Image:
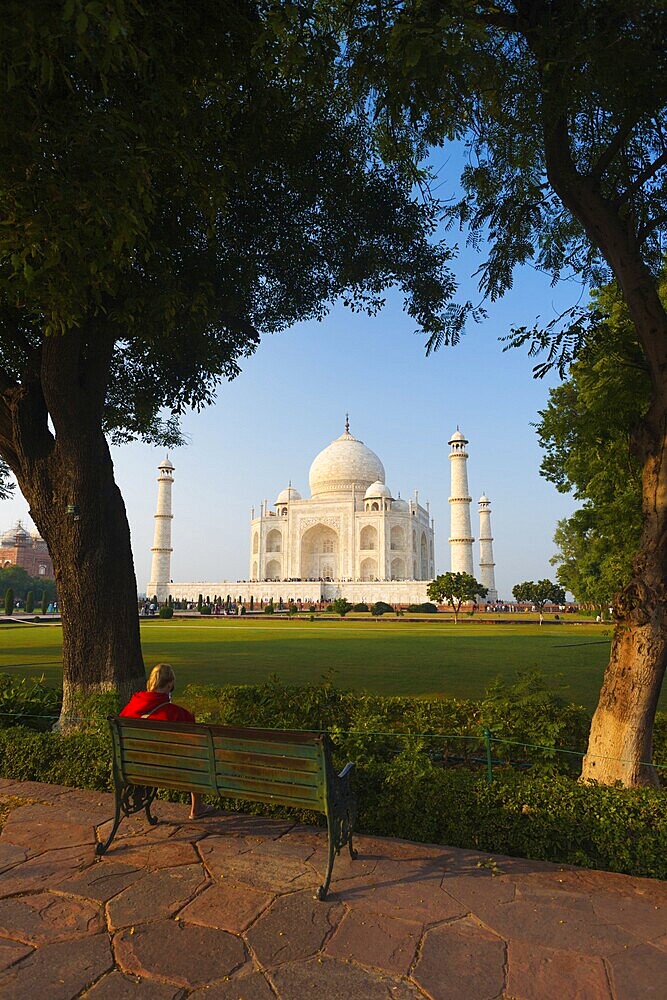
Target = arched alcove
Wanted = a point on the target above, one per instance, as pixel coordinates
(397, 538)
(398, 569)
(368, 570)
(424, 556)
(274, 541)
(273, 570)
(319, 553)
(368, 537)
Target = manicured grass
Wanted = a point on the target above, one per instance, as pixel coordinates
(386, 657)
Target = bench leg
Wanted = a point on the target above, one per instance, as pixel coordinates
(130, 799)
(321, 893)
(101, 849)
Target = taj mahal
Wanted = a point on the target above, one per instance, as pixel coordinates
(350, 538)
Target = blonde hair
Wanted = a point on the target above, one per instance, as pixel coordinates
(161, 676)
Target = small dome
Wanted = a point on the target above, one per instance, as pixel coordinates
(484, 498)
(289, 493)
(166, 464)
(377, 489)
(457, 436)
(15, 535)
(400, 505)
(344, 465)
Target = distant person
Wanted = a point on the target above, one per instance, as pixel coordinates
(155, 703)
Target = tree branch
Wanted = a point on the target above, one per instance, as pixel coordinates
(613, 148)
(640, 179)
(655, 223)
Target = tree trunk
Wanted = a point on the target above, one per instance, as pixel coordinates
(621, 738)
(92, 557)
(66, 475)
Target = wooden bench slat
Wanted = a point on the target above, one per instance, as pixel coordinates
(165, 747)
(295, 736)
(168, 777)
(306, 764)
(164, 759)
(278, 791)
(298, 750)
(154, 735)
(306, 779)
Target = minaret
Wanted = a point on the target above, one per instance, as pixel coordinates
(460, 542)
(160, 567)
(487, 576)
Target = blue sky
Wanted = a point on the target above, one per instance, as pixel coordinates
(290, 402)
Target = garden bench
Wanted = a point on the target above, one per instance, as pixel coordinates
(278, 767)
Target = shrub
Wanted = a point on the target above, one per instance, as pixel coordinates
(205, 609)
(45, 602)
(340, 606)
(167, 611)
(269, 609)
(360, 607)
(28, 702)
(30, 602)
(381, 608)
(423, 609)
(9, 601)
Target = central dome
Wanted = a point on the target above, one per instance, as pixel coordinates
(344, 464)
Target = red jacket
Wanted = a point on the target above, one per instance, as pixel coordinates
(144, 702)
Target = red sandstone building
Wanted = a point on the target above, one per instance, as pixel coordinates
(19, 548)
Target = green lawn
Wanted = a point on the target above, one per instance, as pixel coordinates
(388, 657)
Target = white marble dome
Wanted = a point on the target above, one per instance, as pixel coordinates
(457, 436)
(344, 464)
(289, 493)
(377, 489)
(400, 504)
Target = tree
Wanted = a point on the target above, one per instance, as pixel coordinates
(45, 602)
(561, 108)
(540, 593)
(454, 589)
(21, 582)
(30, 601)
(585, 432)
(9, 601)
(175, 183)
(6, 485)
(340, 606)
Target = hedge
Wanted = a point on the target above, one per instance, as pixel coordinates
(541, 816)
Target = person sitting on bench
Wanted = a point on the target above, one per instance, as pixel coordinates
(155, 703)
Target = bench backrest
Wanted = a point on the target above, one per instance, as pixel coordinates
(259, 765)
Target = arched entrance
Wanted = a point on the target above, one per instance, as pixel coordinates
(319, 553)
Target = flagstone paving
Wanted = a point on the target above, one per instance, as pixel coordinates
(223, 908)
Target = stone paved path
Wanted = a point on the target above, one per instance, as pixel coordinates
(223, 909)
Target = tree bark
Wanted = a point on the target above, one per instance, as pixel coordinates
(65, 473)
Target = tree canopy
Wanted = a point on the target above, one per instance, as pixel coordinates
(455, 589)
(166, 180)
(540, 593)
(586, 432)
